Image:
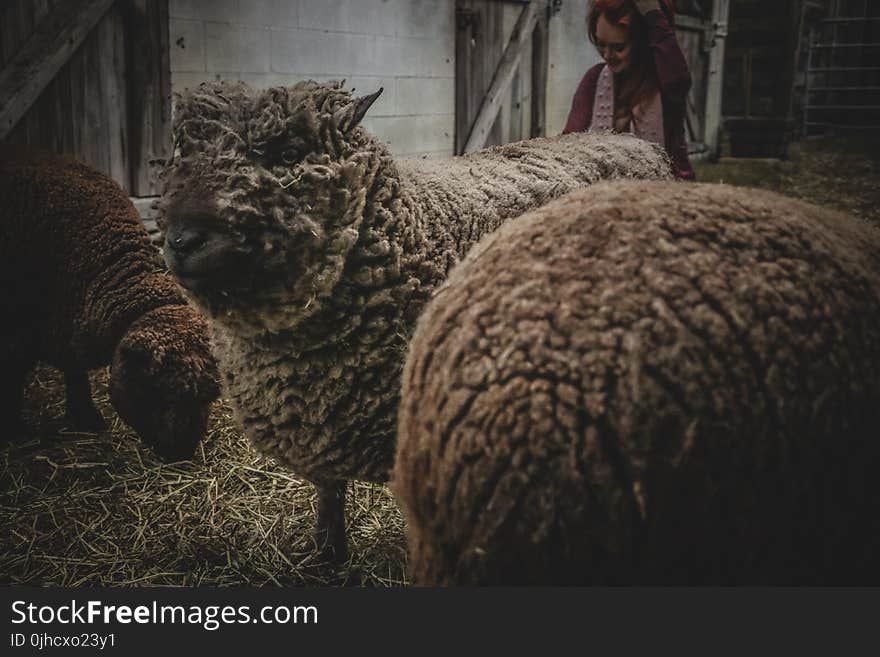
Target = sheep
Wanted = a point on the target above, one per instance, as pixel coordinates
(82, 287)
(313, 251)
(649, 383)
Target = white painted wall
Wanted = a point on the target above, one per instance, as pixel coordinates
(405, 46)
(571, 55)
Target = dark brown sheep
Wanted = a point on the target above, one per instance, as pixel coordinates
(649, 383)
(81, 286)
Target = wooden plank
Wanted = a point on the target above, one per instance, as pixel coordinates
(41, 9)
(16, 26)
(524, 99)
(35, 123)
(693, 44)
(786, 89)
(92, 152)
(511, 120)
(540, 74)
(63, 104)
(76, 75)
(683, 22)
(44, 112)
(10, 38)
(503, 75)
(494, 49)
(463, 45)
(23, 79)
(111, 70)
(149, 89)
(510, 117)
(715, 79)
(480, 41)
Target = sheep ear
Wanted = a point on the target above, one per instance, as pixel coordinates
(348, 116)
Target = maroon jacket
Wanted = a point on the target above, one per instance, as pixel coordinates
(675, 82)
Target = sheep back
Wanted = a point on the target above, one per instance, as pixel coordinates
(458, 200)
(71, 248)
(649, 383)
(81, 285)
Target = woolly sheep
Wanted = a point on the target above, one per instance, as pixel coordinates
(313, 251)
(81, 286)
(649, 383)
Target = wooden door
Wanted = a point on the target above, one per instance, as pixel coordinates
(501, 60)
(694, 35)
(90, 78)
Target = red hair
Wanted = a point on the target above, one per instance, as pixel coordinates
(642, 81)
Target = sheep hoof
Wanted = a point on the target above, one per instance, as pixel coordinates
(331, 549)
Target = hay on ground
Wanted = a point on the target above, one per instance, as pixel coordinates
(101, 510)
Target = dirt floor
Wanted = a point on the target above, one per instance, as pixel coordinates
(100, 509)
(840, 172)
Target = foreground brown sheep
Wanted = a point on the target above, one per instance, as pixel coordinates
(649, 383)
(81, 286)
(313, 252)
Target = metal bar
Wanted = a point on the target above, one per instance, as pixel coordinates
(864, 126)
(843, 68)
(845, 89)
(807, 77)
(845, 45)
(860, 19)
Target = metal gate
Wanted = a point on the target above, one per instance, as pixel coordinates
(843, 70)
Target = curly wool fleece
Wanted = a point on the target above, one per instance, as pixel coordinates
(311, 331)
(82, 287)
(649, 383)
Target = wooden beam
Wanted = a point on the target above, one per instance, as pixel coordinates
(56, 38)
(712, 125)
(149, 89)
(540, 73)
(494, 97)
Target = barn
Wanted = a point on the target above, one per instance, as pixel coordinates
(96, 79)
(99, 80)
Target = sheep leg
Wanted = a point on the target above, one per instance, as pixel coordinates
(81, 412)
(330, 526)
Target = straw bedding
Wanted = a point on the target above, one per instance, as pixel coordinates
(100, 509)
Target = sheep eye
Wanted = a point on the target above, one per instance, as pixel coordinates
(289, 156)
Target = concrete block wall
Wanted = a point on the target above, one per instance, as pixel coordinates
(405, 46)
(571, 55)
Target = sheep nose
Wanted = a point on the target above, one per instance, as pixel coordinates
(186, 241)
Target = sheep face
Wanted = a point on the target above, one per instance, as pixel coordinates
(265, 197)
(163, 380)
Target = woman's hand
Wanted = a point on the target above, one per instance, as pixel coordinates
(644, 6)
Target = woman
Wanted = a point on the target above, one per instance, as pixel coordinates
(642, 85)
